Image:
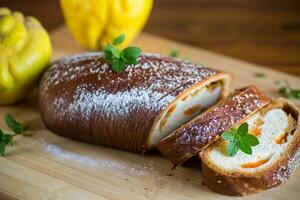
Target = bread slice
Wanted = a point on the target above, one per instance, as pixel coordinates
(195, 135)
(186, 106)
(277, 128)
(80, 97)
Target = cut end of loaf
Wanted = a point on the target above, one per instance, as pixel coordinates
(271, 162)
(188, 105)
(273, 128)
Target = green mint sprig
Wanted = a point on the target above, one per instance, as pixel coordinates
(239, 139)
(289, 92)
(6, 138)
(174, 53)
(120, 58)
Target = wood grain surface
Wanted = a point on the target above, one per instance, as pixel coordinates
(266, 32)
(46, 166)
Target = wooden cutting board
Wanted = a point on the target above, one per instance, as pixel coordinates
(45, 166)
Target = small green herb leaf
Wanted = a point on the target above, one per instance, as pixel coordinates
(243, 129)
(289, 92)
(117, 65)
(245, 147)
(132, 51)
(294, 94)
(111, 52)
(228, 136)
(282, 91)
(129, 59)
(1, 134)
(130, 54)
(15, 126)
(250, 140)
(232, 149)
(239, 139)
(5, 138)
(120, 58)
(107, 50)
(174, 53)
(2, 148)
(117, 41)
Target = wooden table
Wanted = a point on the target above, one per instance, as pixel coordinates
(46, 166)
(266, 32)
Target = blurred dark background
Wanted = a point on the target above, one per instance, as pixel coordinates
(266, 32)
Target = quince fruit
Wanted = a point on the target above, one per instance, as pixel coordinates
(25, 51)
(94, 23)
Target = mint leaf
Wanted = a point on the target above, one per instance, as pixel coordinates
(117, 41)
(129, 59)
(1, 134)
(239, 139)
(116, 53)
(132, 51)
(118, 65)
(245, 147)
(15, 126)
(107, 52)
(243, 129)
(130, 54)
(289, 92)
(174, 53)
(294, 94)
(232, 149)
(7, 139)
(282, 91)
(120, 58)
(2, 148)
(110, 52)
(227, 136)
(250, 140)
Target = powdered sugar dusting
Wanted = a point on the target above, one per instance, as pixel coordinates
(150, 178)
(83, 88)
(158, 68)
(111, 103)
(116, 166)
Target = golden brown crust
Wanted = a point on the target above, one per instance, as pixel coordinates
(188, 140)
(82, 98)
(240, 184)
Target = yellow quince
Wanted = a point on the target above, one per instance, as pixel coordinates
(94, 23)
(25, 51)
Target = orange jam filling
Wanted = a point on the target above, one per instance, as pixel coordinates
(192, 110)
(255, 131)
(254, 164)
(281, 139)
(171, 110)
(165, 119)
